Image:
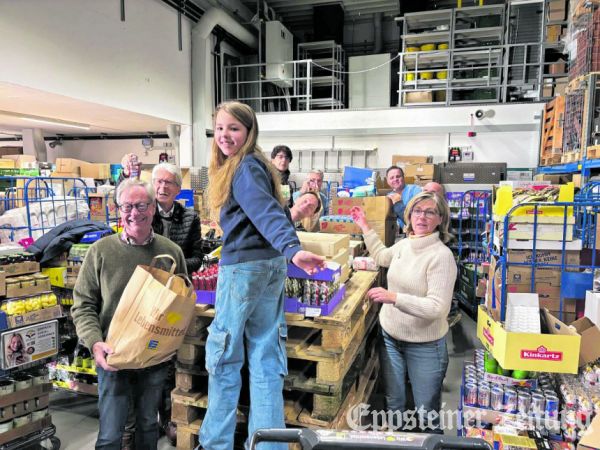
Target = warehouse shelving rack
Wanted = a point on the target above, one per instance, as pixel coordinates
(63, 198)
(473, 217)
(575, 278)
(581, 128)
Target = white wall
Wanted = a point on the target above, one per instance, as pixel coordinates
(511, 136)
(81, 49)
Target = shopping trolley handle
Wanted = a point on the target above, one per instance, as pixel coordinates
(454, 442)
(306, 438)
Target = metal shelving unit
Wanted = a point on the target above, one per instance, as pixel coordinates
(325, 87)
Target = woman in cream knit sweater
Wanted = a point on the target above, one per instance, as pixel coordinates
(421, 277)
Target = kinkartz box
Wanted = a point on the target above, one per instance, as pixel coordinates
(558, 352)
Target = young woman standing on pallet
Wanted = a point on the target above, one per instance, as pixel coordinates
(421, 277)
(258, 239)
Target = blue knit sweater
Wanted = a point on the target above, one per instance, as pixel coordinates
(255, 226)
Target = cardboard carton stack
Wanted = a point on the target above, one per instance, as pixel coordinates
(379, 215)
(417, 169)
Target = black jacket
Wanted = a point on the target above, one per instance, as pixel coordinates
(185, 232)
(61, 238)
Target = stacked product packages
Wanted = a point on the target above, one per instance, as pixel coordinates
(526, 401)
(320, 292)
(498, 402)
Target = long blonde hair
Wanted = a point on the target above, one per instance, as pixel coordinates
(221, 169)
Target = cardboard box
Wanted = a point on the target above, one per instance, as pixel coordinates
(339, 227)
(558, 67)
(420, 170)
(102, 207)
(386, 230)
(54, 312)
(543, 231)
(356, 248)
(403, 160)
(558, 352)
(572, 258)
(592, 306)
(22, 268)
(553, 33)
(22, 161)
(69, 165)
(16, 290)
(328, 245)
(418, 97)
(376, 208)
(589, 349)
(96, 171)
(342, 258)
(577, 180)
(560, 86)
(591, 437)
(504, 203)
(7, 163)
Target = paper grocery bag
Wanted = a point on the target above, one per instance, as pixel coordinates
(151, 318)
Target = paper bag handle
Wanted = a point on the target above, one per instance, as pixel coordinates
(173, 266)
(185, 278)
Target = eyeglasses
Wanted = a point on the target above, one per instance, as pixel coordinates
(127, 207)
(167, 183)
(428, 213)
(282, 156)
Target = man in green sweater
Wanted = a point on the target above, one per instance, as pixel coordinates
(106, 270)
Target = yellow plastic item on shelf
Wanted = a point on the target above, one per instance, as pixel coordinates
(426, 75)
(412, 49)
(441, 75)
(504, 203)
(427, 47)
(409, 77)
(443, 46)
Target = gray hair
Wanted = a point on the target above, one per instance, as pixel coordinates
(318, 172)
(130, 183)
(172, 169)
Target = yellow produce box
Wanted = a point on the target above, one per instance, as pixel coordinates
(530, 351)
(56, 275)
(41, 315)
(504, 203)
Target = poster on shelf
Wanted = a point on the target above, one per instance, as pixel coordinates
(28, 344)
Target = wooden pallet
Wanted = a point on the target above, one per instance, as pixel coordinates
(593, 152)
(323, 399)
(570, 157)
(552, 133)
(188, 409)
(551, 160)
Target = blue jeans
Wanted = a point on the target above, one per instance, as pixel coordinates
(426, 364)
(248, 315)
(115, 390)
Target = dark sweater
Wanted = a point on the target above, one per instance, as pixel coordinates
(255, 226)
(185, 232)
(106, 270)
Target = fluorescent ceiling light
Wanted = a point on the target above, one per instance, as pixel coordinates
(46, 120)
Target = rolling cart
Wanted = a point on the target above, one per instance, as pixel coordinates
(34, 440)
(335, 440)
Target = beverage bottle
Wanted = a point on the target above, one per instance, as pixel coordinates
(134, 164)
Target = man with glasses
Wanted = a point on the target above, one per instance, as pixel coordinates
(182, 226)
(106, 270)
(172, 220)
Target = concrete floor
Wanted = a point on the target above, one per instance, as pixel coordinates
(76, 416)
